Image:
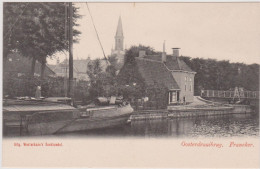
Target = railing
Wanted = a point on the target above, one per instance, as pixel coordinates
(230, 94)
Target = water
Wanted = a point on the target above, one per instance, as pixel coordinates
(234, 125)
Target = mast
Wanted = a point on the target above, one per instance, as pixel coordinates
(70, 89)
(66, 38)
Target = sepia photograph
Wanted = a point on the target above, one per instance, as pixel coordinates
(178, 75)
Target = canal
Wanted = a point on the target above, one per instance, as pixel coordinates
(232, 125)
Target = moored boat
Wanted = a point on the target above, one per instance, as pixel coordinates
(45, 117)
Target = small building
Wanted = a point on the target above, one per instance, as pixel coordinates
(80, 67)
(166, 71)
(17, 80)
(19, 65)
(183, 75)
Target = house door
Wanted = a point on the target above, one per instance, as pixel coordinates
(172, 97)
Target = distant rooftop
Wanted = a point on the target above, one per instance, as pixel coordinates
(172, 62)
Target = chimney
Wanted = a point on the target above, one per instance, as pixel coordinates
(141, 53)
(164, 53)
(175, 52)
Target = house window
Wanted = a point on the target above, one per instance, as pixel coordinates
(190, 87)
(185, 78)
(190, 79)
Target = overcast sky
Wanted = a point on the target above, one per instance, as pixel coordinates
(222, 31)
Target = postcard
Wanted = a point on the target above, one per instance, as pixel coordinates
(133, 85)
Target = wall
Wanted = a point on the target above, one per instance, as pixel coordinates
(183, 78)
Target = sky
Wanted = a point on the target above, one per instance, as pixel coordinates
(222, 31)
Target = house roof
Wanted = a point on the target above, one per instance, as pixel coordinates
(155, 71)
(172, 62)
(153, 57)
(175, 63)
(19, 64)
(79, 67)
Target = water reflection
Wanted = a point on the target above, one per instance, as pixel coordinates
(211, 126)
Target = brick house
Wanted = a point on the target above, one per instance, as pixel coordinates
(182, 74)
(167, 71)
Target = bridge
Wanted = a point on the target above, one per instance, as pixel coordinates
(232, 97)
(236, 94)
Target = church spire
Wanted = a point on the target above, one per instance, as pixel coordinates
(119, 37)
(119, 31)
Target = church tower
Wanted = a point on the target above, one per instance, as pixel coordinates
(119, 37)
(118, 51)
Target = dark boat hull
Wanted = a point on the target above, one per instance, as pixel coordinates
(96, 120)
(31, 118)
(89, 124)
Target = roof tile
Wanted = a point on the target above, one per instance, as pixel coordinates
(155, 71)
(172, 62)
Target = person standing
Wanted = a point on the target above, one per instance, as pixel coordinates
(38, 92)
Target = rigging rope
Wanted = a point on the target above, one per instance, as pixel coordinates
(97, 34)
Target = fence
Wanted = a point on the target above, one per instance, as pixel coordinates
(230, 94)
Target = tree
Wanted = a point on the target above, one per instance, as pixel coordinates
(112, 59)
(129, 73)
(158, 94)
(36, 30)
(134, 52)
(129, 80)
(222, 75)
(110, 76)
(94, 72)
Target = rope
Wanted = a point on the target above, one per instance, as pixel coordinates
(16, 20)
(97, 34)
